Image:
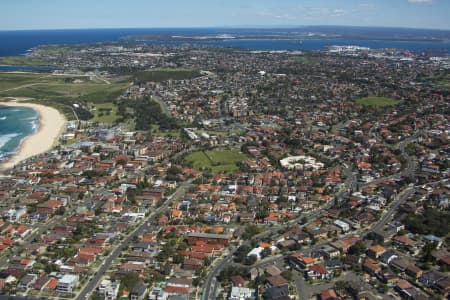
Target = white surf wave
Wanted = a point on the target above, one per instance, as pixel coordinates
(34, 125)
(29, 119)
(6, 138)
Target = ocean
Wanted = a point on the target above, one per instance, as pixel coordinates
(16, 123)
(20, 42)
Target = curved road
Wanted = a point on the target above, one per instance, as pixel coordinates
(211, 285)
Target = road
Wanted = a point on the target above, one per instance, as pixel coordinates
(145, 226)
(75, 114)
(210, 287)
(29, 238)
(163, 105)
(9, 297)
(40, 230)
(400, 199)
(306, 290)
(409, 170)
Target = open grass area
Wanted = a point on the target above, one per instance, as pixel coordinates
(158, 75)
(216, 160)
(105, 113)
(378, 101)
(22, 61)
(48, 86)
(306, 60)
(444, 85)
(156, 130)
(62, 91)
(14, 80)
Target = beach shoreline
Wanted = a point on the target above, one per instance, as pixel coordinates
(51, 126)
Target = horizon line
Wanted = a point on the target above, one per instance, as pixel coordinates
(227, 27)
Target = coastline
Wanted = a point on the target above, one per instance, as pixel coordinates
(51, 126)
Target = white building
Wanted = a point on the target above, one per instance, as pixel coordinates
(241, 293)
(301, 162)
(67, 283)
(108, 289)
(16, 214)
(342, 225)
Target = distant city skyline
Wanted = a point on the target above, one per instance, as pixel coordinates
(80, 14)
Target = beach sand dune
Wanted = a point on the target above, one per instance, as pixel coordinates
(52, 124)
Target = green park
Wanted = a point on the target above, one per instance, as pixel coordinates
(218, 161)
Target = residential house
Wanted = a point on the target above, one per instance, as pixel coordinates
(277, 293)
(371, 266)
(299, 261)
(238, 281)
(375, 251)
(400, 264)
(329, 252)
(41, 282)
(108, 289)
(277, 280)
(49, 207)
(27, 281)
(138, 292)
(414, 271)
(431, 278)
(387, 257)
(67, 283)
(318, 272)
(208, 238)
(193, 264)
(242, 293)
(329, 294)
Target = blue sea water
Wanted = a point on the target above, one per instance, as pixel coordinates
(8, 68)
(19, 42)
(320, 44)
(16, 123)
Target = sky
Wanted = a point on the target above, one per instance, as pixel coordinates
(62, 14)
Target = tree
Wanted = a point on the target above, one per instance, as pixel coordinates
(304, 220)
(266, 252)
(229, 272)
(427, 252)
(357, 248)
(60, 211)
(250, 259)
(172, 173)
(431, 221)
(250, 231)
(241, 253)
(287, 275)
(96, 296)
(178, 259)
(129, 281)
(341, 285)
(262, 213)
(131, 195)
(383, 288)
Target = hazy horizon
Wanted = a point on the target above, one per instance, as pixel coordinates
(115, 14)
(256, 27)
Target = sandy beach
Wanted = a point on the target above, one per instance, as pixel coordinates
(51, 125)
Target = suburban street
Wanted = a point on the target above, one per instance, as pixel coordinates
(142, 228)
(211, 285)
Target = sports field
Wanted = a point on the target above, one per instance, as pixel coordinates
(378, 101)
(216, 160)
